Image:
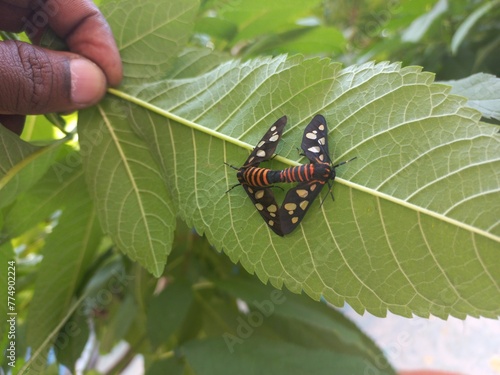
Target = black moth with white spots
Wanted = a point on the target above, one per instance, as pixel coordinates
(255, 180)
(310, 177)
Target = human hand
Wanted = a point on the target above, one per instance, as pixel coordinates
(34, 80)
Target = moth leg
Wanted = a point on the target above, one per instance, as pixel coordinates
(276, 186)
(299, 151)
(231, 188)
(330, 185)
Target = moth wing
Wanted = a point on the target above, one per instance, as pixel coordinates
(296, 203)
(264, 201)
(315, 140)
(267, 145)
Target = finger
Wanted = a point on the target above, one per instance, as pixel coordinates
(36, 80)
(14, 123)
(78, 22)
(85, 31)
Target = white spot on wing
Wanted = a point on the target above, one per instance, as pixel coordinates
(274, 138)
(311, 135)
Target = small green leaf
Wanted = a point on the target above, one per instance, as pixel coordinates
(171, 366)
(65, 261)
(160, 31)
(259, 17)
(49, 194)
(419, 27)
(316, 40)
(482, 92)
(464, 29)
(118, 325)
(71, 340)
(167, 311)
(298, 320)
(22, 164)
(196, 61)
(258, 356)
(216, 27)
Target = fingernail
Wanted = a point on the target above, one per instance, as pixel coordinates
(88, 83)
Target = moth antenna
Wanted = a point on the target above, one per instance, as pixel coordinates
(232, 166)
(344, 162)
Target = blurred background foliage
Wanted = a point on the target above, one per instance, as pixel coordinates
(453, 39)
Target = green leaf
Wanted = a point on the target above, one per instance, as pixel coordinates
(49, 194)
(216, 27)
(21, 164)
(133, 205)
(298, 320)
(307, 40)
(171, 366)
(469, 22)
(211, 356)
(167, 311)
(392, 227)
(160, 31)
(260, 17)
(419, 27)
(71, 340)
(40, 129)
(413, 228)
(195, 61)
(119, 323)
(317, 40)
(482, 92)
(65, 260)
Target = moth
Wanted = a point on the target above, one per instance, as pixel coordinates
(311, 178)
(257, 181)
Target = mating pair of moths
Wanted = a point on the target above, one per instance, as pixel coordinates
(311, 178)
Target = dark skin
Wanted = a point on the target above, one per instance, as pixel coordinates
(34, 80)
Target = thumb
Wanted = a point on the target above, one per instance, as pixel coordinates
(34, 80)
